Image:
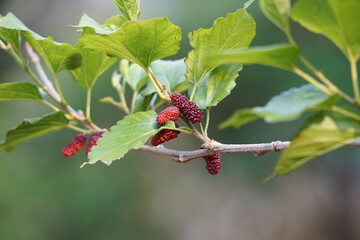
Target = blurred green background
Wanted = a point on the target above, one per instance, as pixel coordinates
(144, 196)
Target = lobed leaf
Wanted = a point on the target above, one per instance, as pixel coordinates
(129, 133)
(323, 133)
(141, 42)
(278, 12)
(31, 128)
(19, 91)
(286, 106)
(338, 20)
(93, 65)
(283, 56)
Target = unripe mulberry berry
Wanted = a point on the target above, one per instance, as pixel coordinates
(75, 145)
(93, 140)
(163, 136)
(213, 163)
(188, 108)
(168, 114)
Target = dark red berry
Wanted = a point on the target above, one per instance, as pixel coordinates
(164, 136)
(93, 140)
(188, 108)
(75, 145)
(168, 114)
(213, 163)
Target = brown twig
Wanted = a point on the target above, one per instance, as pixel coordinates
(214, 147)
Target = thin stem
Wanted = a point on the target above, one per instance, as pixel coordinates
(195, 131)
(161, 91)
(123, 101)
(311, 80)
(332, 87)
(354, 77)
(133, 100)
(78, 129)
(207, 121)
(88, 103)
(50, 105)
(345, 112)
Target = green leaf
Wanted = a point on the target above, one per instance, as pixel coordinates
(322, 134)
(35, 127)
(10, 27)
(169, 73)
(136, 77)
(216, 85)
(283, 56)
(290, 104)
(129, 133)
(141, 42)
(240, 118)
(338, 20)
(129, 8)
(93, 65)
(278, 12)
(110, 26)
(19, 91)
(57, 56)
(236, 30)
(286, 106)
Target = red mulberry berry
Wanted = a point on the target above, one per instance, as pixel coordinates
(188, 108)
(93, 140)
(75, 145)
(213, 163)
(168, 114)
(164, 136)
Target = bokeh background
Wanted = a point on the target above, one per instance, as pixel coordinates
(144, 196)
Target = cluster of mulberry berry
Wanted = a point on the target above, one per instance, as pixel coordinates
(164, 136)
(74, 146)
(168, 114)
(188, 108)
(79, 142)
(92, 141)
(213, 163)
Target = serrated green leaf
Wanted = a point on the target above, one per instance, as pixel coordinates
(216, 85)
(322, 134)
(338, 20)
(11, 36)
(169, 73)
(93, 65)
(287, 106)
(129, 8)
(141, 42)
(240, 118)
(278, 12)
(57, 56)
(283, 56)
(31, 128)
(236, 30)
(129, 133)
(19, 91)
